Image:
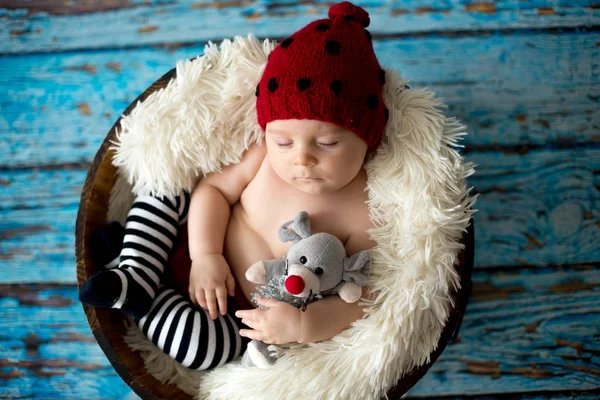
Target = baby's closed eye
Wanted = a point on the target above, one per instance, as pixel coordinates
(327, 144)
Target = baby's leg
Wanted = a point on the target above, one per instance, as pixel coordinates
(150, 233)
(188, 335)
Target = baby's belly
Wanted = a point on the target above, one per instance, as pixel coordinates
(243, 247)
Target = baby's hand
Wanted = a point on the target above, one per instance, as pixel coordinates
(210, 281)
(279, 323)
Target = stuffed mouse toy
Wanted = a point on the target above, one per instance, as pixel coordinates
(315, 266)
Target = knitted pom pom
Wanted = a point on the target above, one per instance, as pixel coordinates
(350, 12)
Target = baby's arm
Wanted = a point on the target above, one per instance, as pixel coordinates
(326, 318)
(210, 276)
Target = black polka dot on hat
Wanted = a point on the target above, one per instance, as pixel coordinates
(257, 92)
(303, 84)
(272, 85)
(386, 114)
(369, 35)
(286, 43)
(322, 27)
(336, 87)
(333, 47)
(372, 102)
(381, 76)
(349, 18)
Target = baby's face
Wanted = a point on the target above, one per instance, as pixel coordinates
(313, 156)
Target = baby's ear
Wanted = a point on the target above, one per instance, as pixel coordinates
(297, 229)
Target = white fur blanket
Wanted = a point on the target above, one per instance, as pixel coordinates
(418, 201)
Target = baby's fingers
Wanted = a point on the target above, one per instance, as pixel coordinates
(201, 298)
(211, 303)
(192, 295)
(230, 285)
(222, 299)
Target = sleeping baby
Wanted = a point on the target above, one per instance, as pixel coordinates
(319, 103)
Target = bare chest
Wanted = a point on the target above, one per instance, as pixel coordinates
(268, 202)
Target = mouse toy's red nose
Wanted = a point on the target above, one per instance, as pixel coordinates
(294, 284)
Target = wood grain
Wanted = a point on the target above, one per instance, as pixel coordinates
(517, 91)
(538, 208)
(537, 329)
(51, 7)
(550, 344)
(47, 347)
(184, 22)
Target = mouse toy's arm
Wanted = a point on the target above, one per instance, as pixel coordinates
(264, 271)
(356, 269)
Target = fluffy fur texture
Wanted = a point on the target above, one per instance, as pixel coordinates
(418, 201)
(203, 120)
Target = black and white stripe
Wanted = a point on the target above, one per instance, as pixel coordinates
(136, 221)
(183, 331)
(188, 334)
(150, 233)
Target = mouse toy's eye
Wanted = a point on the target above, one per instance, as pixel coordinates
(303, 260)
(319, 271)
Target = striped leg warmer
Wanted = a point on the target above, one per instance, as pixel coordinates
(150, 233)
(189, 335)
(182, 330)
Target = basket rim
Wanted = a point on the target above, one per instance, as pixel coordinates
(464, 266)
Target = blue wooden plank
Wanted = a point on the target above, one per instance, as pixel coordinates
(59, 108)
(187, 21)
(33, 190)
(525, 330)
(568, 395)
(534, 209)
(37, 224)
(537, 209)
(522, 89)
(536, 329)
(48, 350)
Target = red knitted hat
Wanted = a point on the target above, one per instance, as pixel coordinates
(327, 71)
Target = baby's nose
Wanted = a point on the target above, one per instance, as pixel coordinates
(303, 158)
(294, 284)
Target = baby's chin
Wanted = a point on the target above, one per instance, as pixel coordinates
(314, 188)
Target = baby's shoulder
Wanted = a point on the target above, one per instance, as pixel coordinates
(253, 157)
(233, 178)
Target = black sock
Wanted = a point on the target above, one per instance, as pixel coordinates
(106, 289)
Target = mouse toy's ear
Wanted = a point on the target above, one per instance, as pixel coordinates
(297, 229)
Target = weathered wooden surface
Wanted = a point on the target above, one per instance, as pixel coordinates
(49, 27)
(525, 327)
(47, 348)
(58, 108)
(539, 326)
(522, 75)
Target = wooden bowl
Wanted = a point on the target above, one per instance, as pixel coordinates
(108, 325)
